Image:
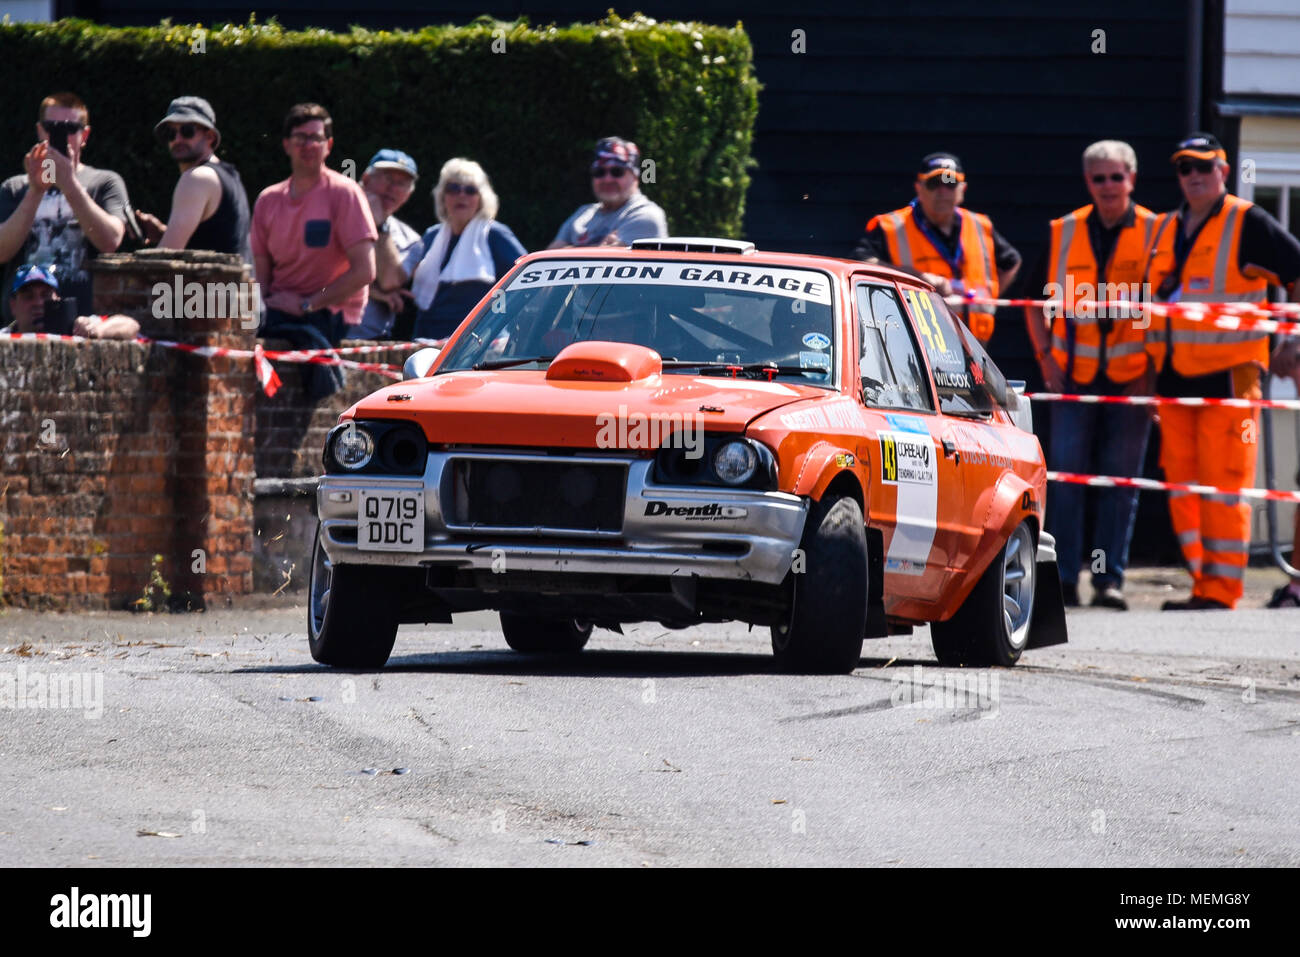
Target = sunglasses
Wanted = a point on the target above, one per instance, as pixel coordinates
(934, 182)
(455, 189)
(1186, 167)
(617, 172)
(302, 139)
(185, 131)
(1101, 178)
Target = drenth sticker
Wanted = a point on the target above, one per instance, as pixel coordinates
(815, 340)
(907, 461)
(712, 512)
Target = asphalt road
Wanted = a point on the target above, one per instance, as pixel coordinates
(1150, 739)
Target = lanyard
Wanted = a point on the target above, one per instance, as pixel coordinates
(931, 234)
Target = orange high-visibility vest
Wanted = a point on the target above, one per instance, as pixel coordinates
(909, 247)
(1210, 274)
(1075, 271)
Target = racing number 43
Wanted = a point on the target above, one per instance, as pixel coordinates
(926, 320)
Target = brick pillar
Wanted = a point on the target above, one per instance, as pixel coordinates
(199, 298)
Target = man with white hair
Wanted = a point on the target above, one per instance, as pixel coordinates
(1096, 253)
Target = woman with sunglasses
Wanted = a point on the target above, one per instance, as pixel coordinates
(459, 259)
(621, 214)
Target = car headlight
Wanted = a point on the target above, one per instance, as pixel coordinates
(734, 462)
(354, 447)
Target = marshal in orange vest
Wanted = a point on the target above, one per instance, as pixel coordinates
(910, 247)
(1210, 274)
(1078, 278)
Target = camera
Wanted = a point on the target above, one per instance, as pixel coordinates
(59, 131)
(60, 316)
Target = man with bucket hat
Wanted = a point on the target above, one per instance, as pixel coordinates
(209, 204)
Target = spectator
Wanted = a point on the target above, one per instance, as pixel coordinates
(1213, 248)
(954, 250)
(313, 241)
(209, 204)
(61, 212)
(459, 259)
(388, 183)
(34, 301)
(622, 214)
(1085, 351)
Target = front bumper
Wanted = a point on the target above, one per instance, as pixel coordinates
(706, 531)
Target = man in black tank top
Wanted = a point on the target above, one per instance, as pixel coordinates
(209, 204)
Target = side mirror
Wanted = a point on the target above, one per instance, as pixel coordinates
(417, 365)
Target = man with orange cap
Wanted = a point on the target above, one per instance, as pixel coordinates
(1213, 248)
(954, 249)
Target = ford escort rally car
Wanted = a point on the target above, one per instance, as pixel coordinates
(688, 431)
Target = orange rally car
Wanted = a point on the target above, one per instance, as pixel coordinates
(689, 431)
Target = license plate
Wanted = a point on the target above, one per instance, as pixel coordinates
(391, 521)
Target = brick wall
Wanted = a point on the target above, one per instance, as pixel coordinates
(116, 451)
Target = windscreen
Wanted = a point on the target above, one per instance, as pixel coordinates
(706, 314)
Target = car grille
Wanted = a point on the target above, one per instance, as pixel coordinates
(531, 494)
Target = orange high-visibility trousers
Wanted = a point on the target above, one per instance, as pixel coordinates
(1212, 446)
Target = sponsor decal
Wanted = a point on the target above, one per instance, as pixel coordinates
(815, 340)
(907, 423)
(907, 462)
(904, 458)
(815, 360)
(843, 461)
(1028, 502)
(711, 512)
(790, 283)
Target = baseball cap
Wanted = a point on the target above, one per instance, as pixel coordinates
(613, 149)
(937, 164)
(394, 159)
(190, 109)
(26, 275)
(1200, 146)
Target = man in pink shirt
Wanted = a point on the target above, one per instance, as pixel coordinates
(313, 239)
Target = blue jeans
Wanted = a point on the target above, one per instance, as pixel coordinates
(1095, 440)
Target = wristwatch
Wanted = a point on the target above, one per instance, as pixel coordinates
(383, 227)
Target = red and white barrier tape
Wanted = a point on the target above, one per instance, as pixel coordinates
(1114, 481)
(1293, 404)
(1250, 316)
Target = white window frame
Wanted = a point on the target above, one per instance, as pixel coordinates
(1281, 170)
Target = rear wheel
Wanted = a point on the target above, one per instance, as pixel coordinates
(828, 615)
(561, 636)
(992, 625)
(350, 618)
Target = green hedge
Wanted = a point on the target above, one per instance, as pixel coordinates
(530, 114)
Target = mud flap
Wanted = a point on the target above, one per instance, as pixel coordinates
(1048, 625)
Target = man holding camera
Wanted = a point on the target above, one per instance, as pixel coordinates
(36, 307)
(61, 212)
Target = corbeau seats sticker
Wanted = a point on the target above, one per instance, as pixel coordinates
(907, 461)
(791, 283)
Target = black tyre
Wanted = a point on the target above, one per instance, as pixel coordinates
(828, 616)
(350, 618)
(557, 636)
(992, 625)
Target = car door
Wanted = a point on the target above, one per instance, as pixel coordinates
(917, 494)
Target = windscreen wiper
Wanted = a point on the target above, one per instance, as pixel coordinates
(506, 363)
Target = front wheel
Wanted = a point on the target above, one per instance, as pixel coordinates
(559, 636)
(992, 625)
(350, 617)
(828, 616)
